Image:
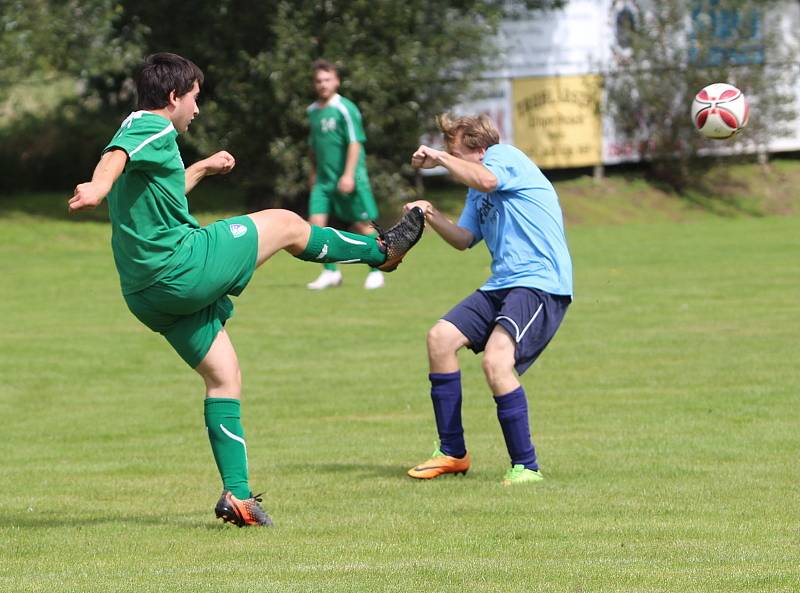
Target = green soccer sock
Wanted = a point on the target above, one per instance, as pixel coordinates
(227, 442)
(374, 235)
(328, 245)
(331, 267)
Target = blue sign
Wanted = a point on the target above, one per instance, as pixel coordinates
(722, 35)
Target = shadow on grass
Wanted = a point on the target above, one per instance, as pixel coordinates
(394, 472)
(26, 520)
(730, 187)
(360, 469)
(212, 200)
(52, 205)
(211, 197)
(725, 187)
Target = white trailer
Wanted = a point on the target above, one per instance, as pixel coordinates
(545, 91)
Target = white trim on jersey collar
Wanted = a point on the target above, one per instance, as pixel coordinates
(336, 99)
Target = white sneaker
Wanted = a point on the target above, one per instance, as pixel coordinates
(327, 279)
(374, 280)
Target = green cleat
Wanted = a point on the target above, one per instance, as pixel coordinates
(519, 474)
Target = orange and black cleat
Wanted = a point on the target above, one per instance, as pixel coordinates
(440, 464)
(241, 513)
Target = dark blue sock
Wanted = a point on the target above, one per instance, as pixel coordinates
(446, 397)
(512, 412)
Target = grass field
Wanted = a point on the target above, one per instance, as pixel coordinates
(665, 413)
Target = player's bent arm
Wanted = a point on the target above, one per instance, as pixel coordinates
(194, 173)
(473, 175)
(353, 152)
(346, 183)
(455, 235)
(107, 171)
(219, 163)
(312, 173)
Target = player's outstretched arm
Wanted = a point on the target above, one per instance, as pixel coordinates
(89, 195)
(219, 163)
(457, 236)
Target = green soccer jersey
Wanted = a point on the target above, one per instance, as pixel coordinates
(147, 204)
(333, 128)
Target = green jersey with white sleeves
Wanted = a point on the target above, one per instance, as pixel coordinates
(333, 127)
(147, 204)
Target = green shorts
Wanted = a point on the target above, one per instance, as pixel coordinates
(349, 208)
(189, 304)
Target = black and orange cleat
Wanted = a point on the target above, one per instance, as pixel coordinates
(399, 239)
(241, 513)
(440, 464)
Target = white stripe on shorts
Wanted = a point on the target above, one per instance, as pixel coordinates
(520, 334)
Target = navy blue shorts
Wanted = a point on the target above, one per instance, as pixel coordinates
(530, 316)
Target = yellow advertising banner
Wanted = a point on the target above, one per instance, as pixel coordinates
(556, 120)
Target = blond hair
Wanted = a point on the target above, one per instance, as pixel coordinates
(476, 131)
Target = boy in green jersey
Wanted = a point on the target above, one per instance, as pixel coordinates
(176, 275)
(339, 181)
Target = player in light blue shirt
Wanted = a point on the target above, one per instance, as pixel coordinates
(520, 221)
(514, 209)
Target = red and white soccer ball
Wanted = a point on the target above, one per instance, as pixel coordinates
(719, 111)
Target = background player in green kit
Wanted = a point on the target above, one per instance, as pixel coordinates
(176, 275)
(339, 181)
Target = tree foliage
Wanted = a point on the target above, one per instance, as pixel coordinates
(673, 49)
(54, 56)
(43, 39)
(401, 62)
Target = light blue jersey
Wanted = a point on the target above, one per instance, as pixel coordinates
(522, 225)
